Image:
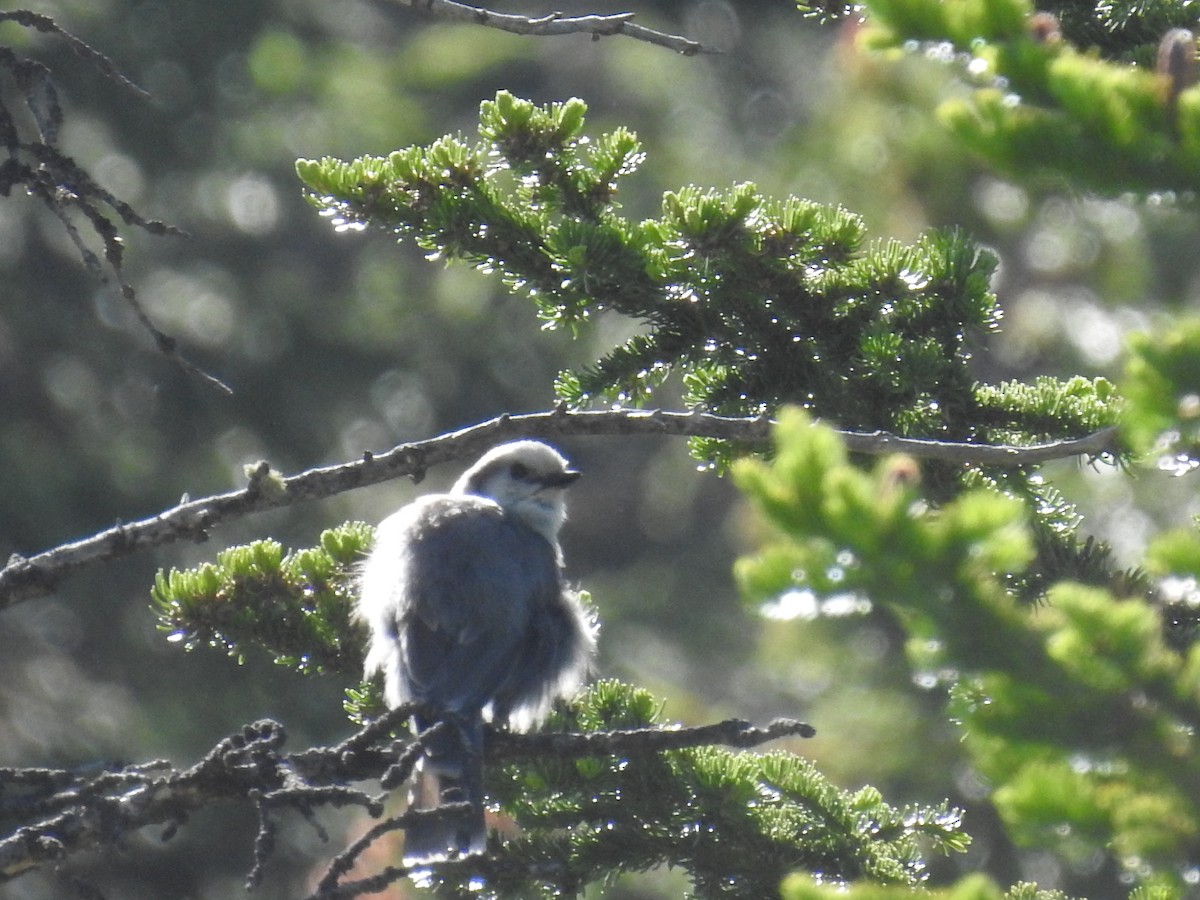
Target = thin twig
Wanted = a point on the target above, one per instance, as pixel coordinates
(346, 860)
(36, 576)
(47, 25)
(503, 745)
(597, 26)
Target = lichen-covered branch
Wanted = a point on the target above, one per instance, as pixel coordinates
(611, 788)
(46, 815)
(36, 576)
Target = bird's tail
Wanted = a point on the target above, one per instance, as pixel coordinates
(450, 773)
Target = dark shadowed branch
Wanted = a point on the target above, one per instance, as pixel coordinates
(36, 164)
(48, 814)
(25, 578)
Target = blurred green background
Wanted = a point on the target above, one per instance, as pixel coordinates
(340, 343)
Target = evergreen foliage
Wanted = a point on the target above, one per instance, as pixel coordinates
(973, 887)
(1174, 557)
(1127, 30)
(1162, 380)
(296, 606)
(736, 822)
(755, 302)
(1044, 107)
(1082, 718)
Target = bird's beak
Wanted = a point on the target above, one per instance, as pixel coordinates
(561, 479)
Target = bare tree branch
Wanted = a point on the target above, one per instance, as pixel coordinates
(47, 814)
(597, 26)
(44, 171)
(26, 578)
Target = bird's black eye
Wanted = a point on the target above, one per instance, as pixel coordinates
(519, 471)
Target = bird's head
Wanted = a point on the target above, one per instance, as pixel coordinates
(527, 478)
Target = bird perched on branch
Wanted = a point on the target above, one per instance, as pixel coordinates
(470, 617)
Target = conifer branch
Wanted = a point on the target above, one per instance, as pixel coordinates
(36, 576)
(556, 23)
(48, 813)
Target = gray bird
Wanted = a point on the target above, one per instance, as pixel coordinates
(469, 615)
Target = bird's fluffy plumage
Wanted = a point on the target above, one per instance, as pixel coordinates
(469, 615)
